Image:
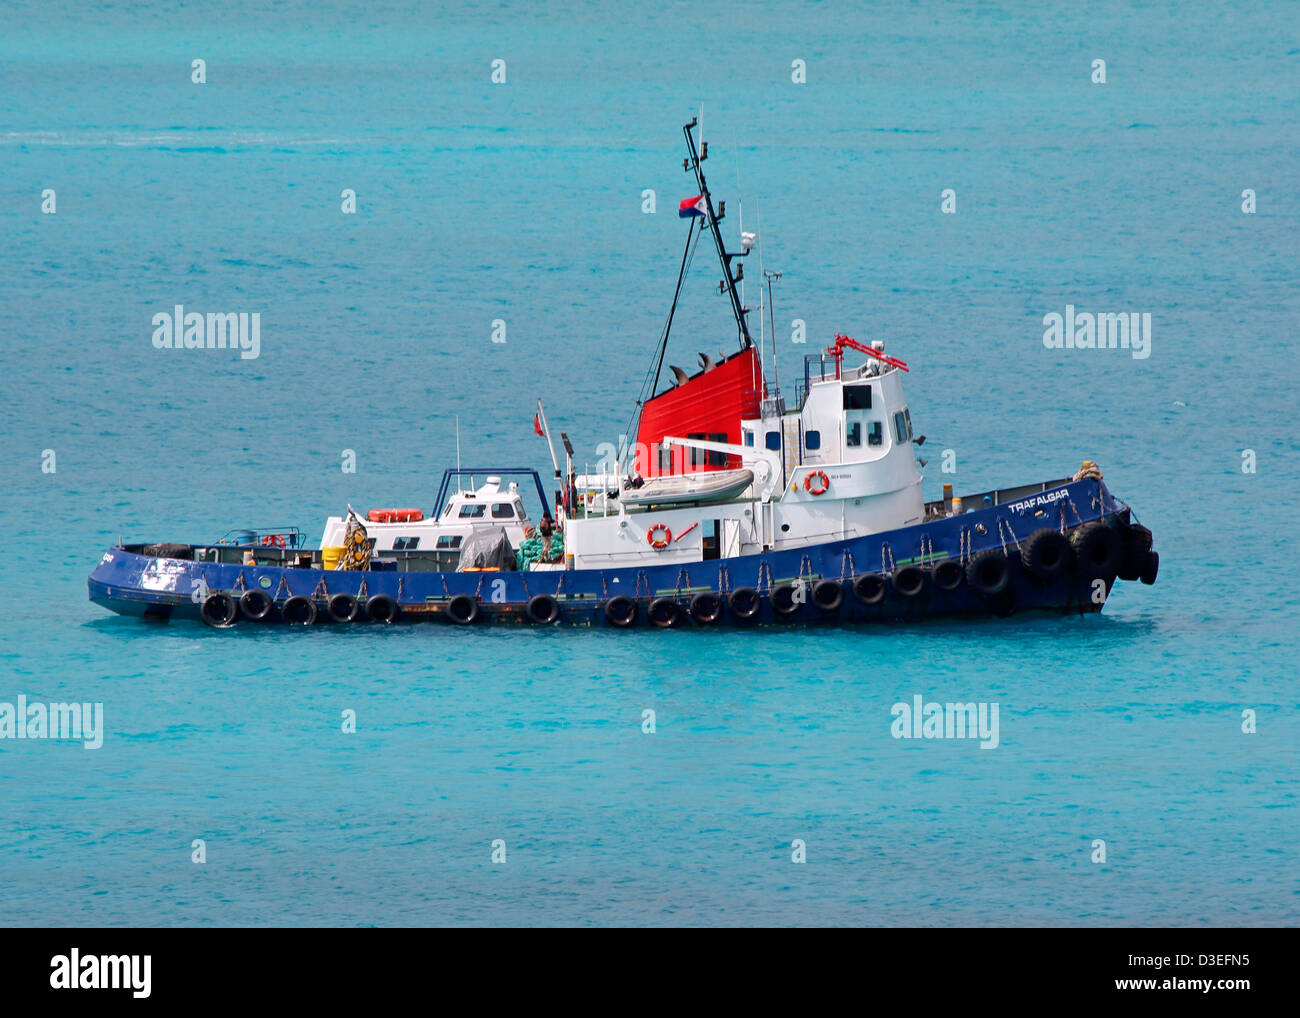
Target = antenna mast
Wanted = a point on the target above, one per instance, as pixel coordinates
(769, 275)
(728, 282)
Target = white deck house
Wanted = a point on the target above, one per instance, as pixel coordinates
(840, 466)
(486, 507)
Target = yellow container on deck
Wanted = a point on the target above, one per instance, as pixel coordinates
(330, 557)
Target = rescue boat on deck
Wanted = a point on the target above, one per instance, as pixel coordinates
(731, 508)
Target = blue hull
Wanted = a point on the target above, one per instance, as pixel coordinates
(136, 584)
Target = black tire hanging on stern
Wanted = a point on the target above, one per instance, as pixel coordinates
(178, 551)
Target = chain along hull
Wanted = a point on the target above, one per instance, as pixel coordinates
(992, 570)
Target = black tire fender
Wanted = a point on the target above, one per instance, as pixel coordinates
(828, 595)
(543, 609)
(706, 607)
(256, 605)
(989, 572)
(219, 610)
(1137, 543)
(299, 611)
(621, 611)
(785, 600)
(910, 580)
(344, 608)
(462, 609)
(664, 612)
(948, 574)
(382, 608)
(1098, 550)
(178, 551)
(1046, 554)
(744, 602)
(869, 588)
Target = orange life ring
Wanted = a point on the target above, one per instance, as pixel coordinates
(659, 543)
(821, 476)
(273, 541)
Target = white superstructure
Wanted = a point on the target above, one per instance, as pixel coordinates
(840, 466)
(486, 507)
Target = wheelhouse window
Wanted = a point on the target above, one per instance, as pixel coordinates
(503, 511)
(697, 455)
(707, 457)
(903, 426)
(875, 433)
(473, 510)
(717, 459)
(773, 441)
(857, 397)
(853, 434)
(448, 542)
(812, 440)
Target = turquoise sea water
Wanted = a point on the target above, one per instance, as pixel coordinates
(523, 202)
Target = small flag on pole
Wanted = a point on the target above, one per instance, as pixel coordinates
(691, 207)
(542, 428)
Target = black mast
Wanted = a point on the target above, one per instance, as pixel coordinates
(728, 282)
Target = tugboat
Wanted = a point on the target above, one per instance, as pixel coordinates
(731, 509)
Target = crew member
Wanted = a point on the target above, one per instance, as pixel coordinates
(545, 528)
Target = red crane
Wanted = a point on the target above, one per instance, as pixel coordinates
(841, 341)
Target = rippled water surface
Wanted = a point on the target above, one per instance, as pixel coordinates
(523, 202)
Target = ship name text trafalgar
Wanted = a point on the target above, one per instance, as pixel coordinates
(1083, 330)
(192, 330)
